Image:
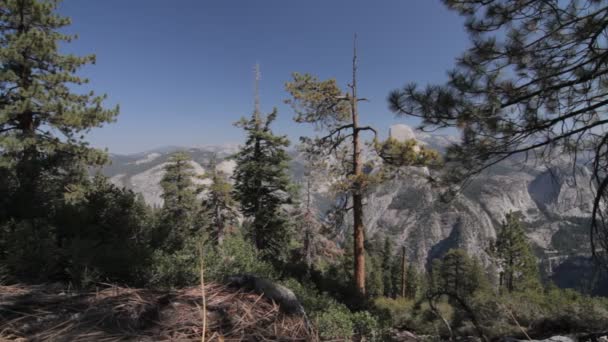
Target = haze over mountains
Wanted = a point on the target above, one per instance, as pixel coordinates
(554, 203)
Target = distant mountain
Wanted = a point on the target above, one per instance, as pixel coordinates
(142, 172)
(554, 202)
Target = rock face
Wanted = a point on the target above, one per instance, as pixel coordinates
(401, 132)
(555, 212)
(281, 295)
(142, 172)
(555, 203)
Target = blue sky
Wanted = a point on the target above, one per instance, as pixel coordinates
(182, 70)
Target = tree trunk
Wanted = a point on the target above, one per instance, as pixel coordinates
(359, 233)
(257, 221)
(220, 225)
(358, 229)
(403, 273)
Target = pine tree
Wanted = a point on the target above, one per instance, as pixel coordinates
(458, 275)
(262, 185)
(42, 122)
(324, 104)
(374, 261)
(335, 112)
(44, 158)
(180, 204)
(518, 266)
(308, 225)
(396, 277)
(387, 262)
(532, 83)
(106, 235)
(412, 283)
(403, 272)
(219, 207)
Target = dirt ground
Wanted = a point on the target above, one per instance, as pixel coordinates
(110, 313)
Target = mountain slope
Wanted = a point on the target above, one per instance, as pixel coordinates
(554, 202)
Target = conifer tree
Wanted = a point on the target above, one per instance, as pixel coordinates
(180, 204)
(44, 157)
(308, 225)
(262, 185)
(459, 277)
(387, 262)
(517, 264)
(42, 121)
(412, 282)
(324, 104)
(335, 113)
(375, 275)
(403, 273)
(396, 277)
(531, 84)
(219, 207)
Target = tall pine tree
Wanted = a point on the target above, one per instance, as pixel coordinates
(262, 184)
(309, 228)
(517, 264)
(336, 114)
(387, 262)
(412, 282)
(532, 83)
(178, 215)
(219, 207)
(459, 277)
(42, 121)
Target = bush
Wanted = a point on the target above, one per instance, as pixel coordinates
(311, 299)
(394, 312)
(333, 319)
(335, 323)
(556, 311)
(366, 326)
(235, 256)
(176, 269)
(29, 251)
(182, 267)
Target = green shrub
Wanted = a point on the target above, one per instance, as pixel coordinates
(182, 267)
(394, 312)
(555, 311)
(366, 326)
(333, 319)
(335, 323)
(176, 269)
(235, 256)
(29, 251)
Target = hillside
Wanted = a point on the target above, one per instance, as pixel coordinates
(555, 203)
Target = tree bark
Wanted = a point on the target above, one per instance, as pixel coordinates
(358, 229)
(403, 273)
(220, 224)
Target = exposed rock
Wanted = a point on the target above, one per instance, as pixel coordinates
(401, 132)
(550, 339)
(554, 203)
(281, 295)
(403, 336)
(147, 159)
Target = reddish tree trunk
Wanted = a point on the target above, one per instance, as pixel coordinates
(358, 229)
(403, 273)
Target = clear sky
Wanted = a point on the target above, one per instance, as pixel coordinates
(182, 70)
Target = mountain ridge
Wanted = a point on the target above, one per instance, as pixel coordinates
(555, 207)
